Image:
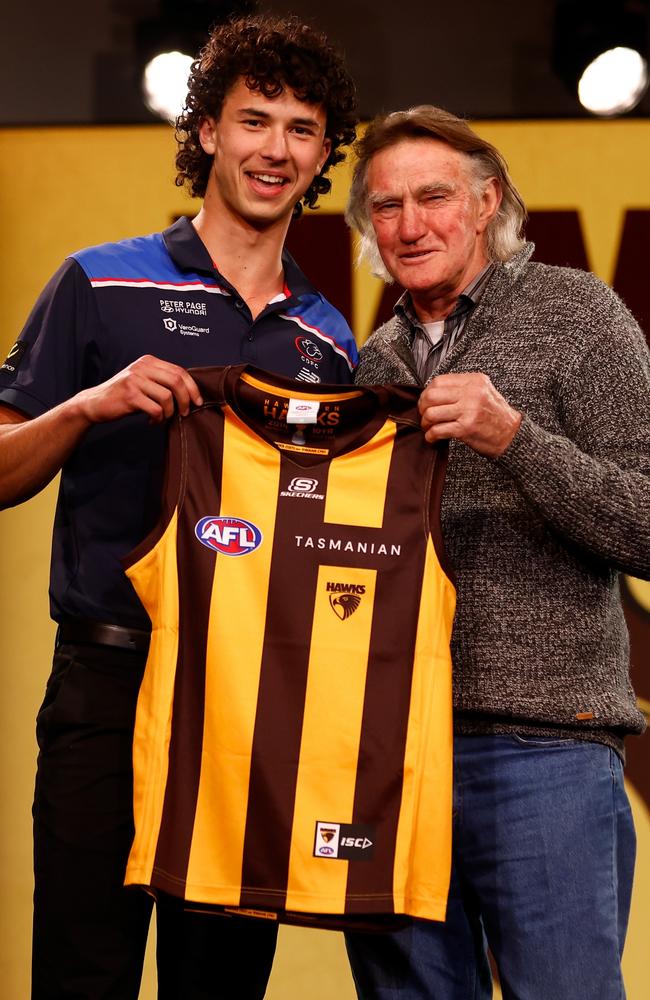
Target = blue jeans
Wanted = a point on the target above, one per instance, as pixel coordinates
(542, 873)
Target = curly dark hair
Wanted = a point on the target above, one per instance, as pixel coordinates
(271, 54)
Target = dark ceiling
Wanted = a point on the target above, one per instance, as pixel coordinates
(75, 61)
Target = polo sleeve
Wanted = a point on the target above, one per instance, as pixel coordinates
(55, 355)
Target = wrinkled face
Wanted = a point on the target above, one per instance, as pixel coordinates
(428, 220)
(266, 153)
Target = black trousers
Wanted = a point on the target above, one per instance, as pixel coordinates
(89, 930)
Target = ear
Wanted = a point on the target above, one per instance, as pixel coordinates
(489, 202)
(208, 135)
(325, 152)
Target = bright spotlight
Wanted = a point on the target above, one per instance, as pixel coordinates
(165, 84)
(600, 51)
(614, 82)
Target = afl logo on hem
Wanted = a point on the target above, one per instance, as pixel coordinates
(231, 536)
(327, 840)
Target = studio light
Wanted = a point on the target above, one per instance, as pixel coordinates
(600, 51)
(167, 44)
(614, 82)
(165, 84)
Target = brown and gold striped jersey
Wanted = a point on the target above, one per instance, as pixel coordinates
(293, 737)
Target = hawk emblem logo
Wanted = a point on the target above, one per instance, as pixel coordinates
(344, 605)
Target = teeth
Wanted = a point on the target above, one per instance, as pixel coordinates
(268, 178)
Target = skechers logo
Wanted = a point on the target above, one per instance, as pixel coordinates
(301, 486)
(231, 536)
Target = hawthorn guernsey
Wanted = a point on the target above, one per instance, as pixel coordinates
(293, 738)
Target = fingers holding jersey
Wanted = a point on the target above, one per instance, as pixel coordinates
(148, 385)
(467, 407)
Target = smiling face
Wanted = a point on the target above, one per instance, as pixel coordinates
(266, 152)
(429, 221)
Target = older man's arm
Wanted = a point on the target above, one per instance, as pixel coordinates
(592, 483)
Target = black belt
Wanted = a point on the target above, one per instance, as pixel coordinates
(100, 634)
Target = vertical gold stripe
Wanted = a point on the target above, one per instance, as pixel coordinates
(423, 848)
(330, 738)
(237, 622)
(357, 481)
(155, 579)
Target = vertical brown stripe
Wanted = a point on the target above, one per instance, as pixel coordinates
(388, 685)
(283, 680)
(196, 571)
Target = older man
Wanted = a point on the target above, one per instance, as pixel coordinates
(540, 376)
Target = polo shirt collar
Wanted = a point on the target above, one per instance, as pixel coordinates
(186, 248)
(189, 253)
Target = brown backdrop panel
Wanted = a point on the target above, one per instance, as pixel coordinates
(558, 239)
(321, 244)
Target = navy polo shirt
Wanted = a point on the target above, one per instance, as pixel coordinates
(106, 307)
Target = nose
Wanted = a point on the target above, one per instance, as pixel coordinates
(411, 222)
(275, 145)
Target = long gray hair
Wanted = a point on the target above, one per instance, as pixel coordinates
(504, 232)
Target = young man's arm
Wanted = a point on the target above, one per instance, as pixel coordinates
(33, 451)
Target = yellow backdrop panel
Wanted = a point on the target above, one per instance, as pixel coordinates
(65, 188)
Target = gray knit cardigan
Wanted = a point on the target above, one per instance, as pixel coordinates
(538, 536)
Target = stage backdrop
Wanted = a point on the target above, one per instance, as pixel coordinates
(586, 184)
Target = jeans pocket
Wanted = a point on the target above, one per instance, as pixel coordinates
(531, 740)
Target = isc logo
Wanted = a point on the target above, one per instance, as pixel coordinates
(361, 842)
(232, 536)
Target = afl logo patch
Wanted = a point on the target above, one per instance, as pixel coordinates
(231, 536)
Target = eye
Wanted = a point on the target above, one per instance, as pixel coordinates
(303, 130)
(385, 208)
(253, 122)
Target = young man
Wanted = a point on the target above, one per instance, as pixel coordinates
(99, 366)
(541, 378)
